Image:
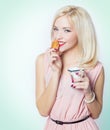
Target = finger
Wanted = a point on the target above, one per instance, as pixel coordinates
(79, 86)
(85, 74)
(81, 73)
(79, 83)
(76, 80)
(50, 50)
(54, 54)
(82, 85)
(52, 60)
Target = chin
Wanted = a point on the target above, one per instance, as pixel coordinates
(64, 49)
(61, 50)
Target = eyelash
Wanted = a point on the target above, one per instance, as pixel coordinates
(55, 29)
(65, 30)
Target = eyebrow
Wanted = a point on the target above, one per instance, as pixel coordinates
(63, 27)
(67, 28)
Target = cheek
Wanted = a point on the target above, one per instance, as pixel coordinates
(73, 40)
(53, 36)
(68, 45)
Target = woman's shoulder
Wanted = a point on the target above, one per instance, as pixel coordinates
(40, 58)
(94, 72)
(99, 65)
(96, 69)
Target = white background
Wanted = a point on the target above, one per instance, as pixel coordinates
(24, 34)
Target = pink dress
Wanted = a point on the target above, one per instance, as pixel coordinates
(69, 105)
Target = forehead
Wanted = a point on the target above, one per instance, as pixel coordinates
(63, 21)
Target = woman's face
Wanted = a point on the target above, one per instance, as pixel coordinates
(65, 33)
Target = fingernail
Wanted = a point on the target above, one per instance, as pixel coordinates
(77, 73)
(56, 49)
(71, 85)
(72, 80)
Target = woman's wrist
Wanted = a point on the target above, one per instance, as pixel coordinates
(90, 97)
(57, 73)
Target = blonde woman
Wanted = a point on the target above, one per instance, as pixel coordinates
(70, 79)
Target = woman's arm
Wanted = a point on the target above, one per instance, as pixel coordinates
(45, 95)
(96, 106)
(94, 101)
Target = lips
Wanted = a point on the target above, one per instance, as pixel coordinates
(61, 43)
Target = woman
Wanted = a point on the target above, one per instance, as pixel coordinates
(70, 103)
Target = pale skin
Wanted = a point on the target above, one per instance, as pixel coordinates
(59, 62)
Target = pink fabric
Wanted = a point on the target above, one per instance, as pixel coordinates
(69, 104)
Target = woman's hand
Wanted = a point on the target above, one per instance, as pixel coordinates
(54, 59)
(82, 83)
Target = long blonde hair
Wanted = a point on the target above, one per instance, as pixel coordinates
(87, 41)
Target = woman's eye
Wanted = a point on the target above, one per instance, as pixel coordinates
(67, 30)
(55, 29)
